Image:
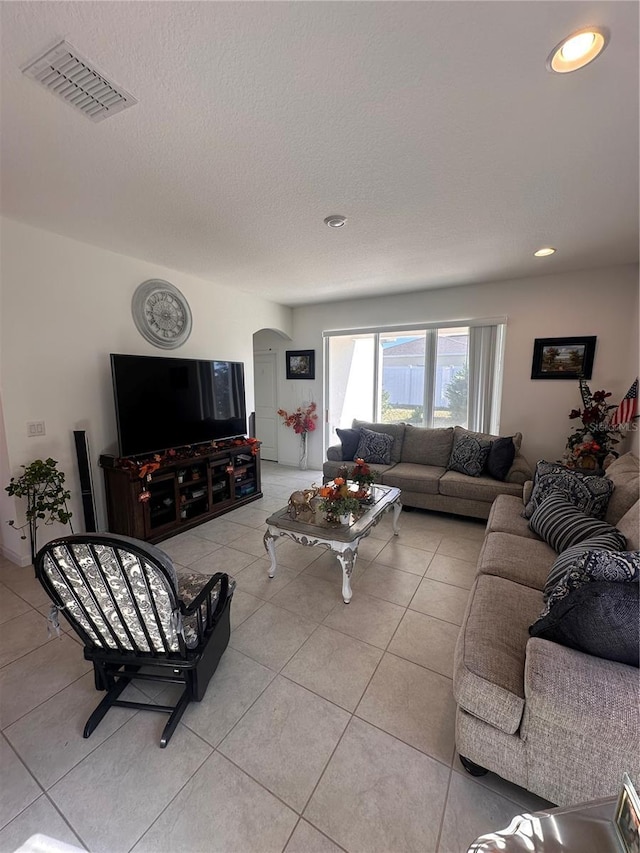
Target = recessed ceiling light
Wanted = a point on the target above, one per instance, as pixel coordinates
(543, 253)
(578, 49)
(335, 221)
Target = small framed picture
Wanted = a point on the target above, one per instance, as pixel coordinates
(627, 817)
(563, 358)
(301, 364)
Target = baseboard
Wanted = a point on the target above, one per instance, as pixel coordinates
(14, 557)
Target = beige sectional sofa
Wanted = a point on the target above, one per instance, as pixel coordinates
(419, 459)
(556, 721)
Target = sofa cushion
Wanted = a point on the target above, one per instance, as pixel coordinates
(624, 473)
(469, 455)
(331, 469)
(396, 431)
(629, 526)
(414, 478)
(524, 561)
(500, 459)
(561, 524)
(481, 488)
(491, 650)
(427, 446)
(374, 447)
(589, 493)
(349, 439)
(613, 541)
(506, 517)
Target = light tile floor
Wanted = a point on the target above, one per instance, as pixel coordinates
(326, 727)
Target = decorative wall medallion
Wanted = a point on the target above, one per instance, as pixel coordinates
(161, 313)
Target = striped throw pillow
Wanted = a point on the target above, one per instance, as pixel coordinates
(568, 559)
(561, 524)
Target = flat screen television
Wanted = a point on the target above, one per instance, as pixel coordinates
(170, 402)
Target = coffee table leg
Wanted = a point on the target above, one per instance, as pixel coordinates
(397, 509)
(347, 561)
(270, 546)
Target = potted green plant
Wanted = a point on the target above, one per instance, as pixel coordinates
(340, 508)
(43, 487)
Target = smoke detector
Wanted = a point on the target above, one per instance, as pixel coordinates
(67, 74)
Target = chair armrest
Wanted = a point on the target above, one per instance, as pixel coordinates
(520, 471)
(203, 597)
(334, 453)
(579, 693)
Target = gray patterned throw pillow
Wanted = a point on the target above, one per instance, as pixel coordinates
(374, 447)
(469, 455)
(586, 492)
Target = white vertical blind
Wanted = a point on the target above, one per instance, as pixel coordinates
(483, 363)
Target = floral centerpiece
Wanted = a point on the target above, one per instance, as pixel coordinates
(362, 475)
(302, 422)
(338, 502)
(590, 444)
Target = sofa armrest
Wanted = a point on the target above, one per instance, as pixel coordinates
(582, 693)
(580, 723)
(520, 471)
(334, 453)
(527, 489)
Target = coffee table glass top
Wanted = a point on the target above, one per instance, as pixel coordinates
(381, 498)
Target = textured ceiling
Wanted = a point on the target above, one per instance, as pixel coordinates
(433, 126)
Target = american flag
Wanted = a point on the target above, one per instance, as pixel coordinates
(628, 408)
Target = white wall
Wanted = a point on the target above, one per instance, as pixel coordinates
(65, 306)
(600, 302)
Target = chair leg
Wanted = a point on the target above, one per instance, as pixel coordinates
(104, 706)
(174, 719)
(472, 768)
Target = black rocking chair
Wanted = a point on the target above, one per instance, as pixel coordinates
(123, 598)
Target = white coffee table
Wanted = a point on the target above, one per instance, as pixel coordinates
(342, 540)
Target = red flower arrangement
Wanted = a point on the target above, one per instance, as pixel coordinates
(302, 420)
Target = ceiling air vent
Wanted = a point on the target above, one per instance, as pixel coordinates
(63, 71)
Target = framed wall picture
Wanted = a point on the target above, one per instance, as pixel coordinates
(563, 358)
(627, 817)
(301, 364)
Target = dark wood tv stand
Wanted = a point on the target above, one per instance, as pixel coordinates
(183, 492)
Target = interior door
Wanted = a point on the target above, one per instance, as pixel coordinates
(265, 379)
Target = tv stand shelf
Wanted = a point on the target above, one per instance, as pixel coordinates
(182, 493)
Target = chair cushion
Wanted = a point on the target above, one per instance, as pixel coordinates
(349, 439)
(624, 473)
(587, 492)
(561, 524)
(414, 478)
(425, 446)
(491, 650)
(469, 455)
(500, 459)
(483, 488)
(564, 562)
(374, 447)
(524, 561)
(396, 431)
(189, 585)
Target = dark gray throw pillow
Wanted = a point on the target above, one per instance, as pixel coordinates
(564, 562)
(561, 524)
(500, 458)
(469, 455)
(587, 492)
(350, 439)
(374, 447)
(599, 618)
